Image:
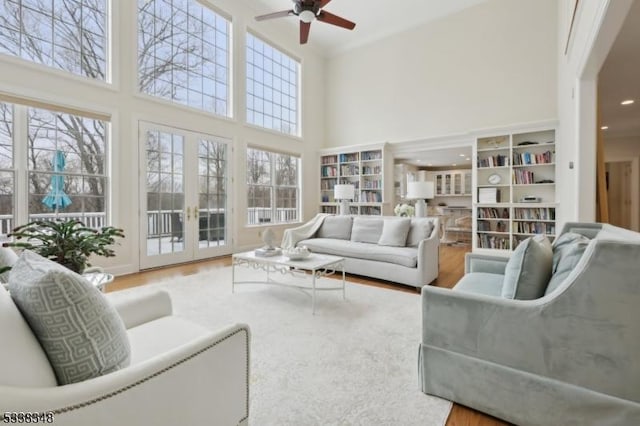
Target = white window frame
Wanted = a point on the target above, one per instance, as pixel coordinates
(21, 169)
(204, 77)
(107, 50)
(257, 93)
(273, 189)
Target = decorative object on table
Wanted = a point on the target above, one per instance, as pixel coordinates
(404, 210)
(494, 179)
(344, 193)
(488, 195)
(67, 242)
(269, 248)
(297, 253)
(420, 191)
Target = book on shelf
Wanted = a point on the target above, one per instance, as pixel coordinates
(494, 161)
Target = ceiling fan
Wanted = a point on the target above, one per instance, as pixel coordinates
(307, 11)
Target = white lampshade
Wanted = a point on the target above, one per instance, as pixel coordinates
(420, 190)
(344, 192)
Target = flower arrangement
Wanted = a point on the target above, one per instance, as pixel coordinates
(404, 210)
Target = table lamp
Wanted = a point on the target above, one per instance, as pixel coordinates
(420, 191)
(344, 193)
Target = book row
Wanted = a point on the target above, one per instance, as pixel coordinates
(531, 158)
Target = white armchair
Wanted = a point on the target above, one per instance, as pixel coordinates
(180, 372)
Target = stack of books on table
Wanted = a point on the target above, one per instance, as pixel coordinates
(268, 251)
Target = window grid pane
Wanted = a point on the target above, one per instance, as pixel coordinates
(69, 35)
(272, 87)
(273, 187)
(75, 186)
(7, 172)
(183, 54)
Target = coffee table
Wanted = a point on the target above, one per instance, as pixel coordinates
(319, 265)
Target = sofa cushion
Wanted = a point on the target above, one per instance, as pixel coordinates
(405, 256)
(336, 227)
(7, 258)
(394, 232)
(565, 258)
(481, 283)
(563, 244)
(23, 363)
(366, 230)
(79, 330)
(420, 229)
(528, 270)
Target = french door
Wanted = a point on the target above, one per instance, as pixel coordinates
(185, 201)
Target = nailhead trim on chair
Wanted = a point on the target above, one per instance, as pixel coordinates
(164, 370)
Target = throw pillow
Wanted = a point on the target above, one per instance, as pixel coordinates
(81, 333)
(528, 270)
(366, 230)
(420, 229)
(8, 257)
(394, 232)
(564, 243)
(566, 255)
(338, 227)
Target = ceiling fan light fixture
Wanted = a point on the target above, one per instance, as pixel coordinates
(307, 16)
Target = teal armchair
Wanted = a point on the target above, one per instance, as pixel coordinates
(571, 357)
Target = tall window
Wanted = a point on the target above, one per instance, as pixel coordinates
(70, 35)
(7, 178)
(273, 183)
(183, 54)
(65, 166)
(272, 87)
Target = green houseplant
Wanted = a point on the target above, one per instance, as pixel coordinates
(67, 242)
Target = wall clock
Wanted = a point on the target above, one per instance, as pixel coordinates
(495, 179)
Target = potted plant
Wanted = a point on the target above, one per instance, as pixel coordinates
(67, 242)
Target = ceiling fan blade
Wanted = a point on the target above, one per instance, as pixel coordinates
(304, 32)
(274, 15)
(330, 18)
(323, 3)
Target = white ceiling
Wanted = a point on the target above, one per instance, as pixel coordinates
(619, 79)
(375, 19)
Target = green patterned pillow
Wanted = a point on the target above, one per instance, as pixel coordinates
(81, 333)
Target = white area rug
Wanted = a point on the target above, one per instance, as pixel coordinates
(353, 363)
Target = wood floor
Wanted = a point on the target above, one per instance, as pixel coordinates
(451, 270)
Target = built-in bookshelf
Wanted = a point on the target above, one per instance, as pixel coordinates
(368, 168)
(514, 188)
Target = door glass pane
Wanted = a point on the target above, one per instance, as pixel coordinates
(212, 195)
(165, 193)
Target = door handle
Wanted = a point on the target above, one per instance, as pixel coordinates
(195, 213)
(188, 213)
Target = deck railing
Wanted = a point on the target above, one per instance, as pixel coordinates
(159, 223)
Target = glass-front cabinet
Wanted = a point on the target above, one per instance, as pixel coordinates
(452, 182)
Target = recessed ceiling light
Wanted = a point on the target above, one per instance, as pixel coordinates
(627, 102)
(604, 127)
(463, 155)
(468, 159)
(454, 164)
(429, 164)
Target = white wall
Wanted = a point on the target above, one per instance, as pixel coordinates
(594, 29)
(126, 108)
(491, 65)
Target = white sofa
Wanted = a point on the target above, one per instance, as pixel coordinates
(180, 373)
(378, 247)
